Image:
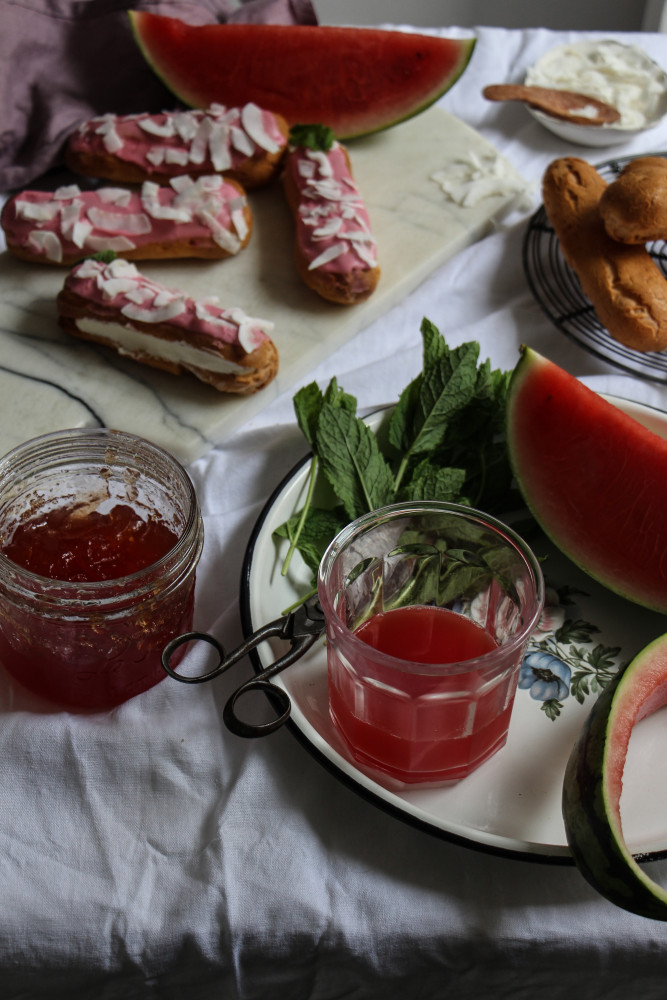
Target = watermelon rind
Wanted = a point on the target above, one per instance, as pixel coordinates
(593, 477)
(357, 81)
(593, 781)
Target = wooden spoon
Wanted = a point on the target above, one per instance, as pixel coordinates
(563, 104)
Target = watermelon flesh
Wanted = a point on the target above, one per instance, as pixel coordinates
(353, 80)
(594, 779)
(594, 478)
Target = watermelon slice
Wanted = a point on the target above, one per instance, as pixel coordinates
(354, 80)
(593, 783)
(593, 477)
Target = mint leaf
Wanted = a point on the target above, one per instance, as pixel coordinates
(444, 441)
(312, 137)
(350, 459)
(447, 386)
(426, 407)
(335, 396)
(307, 406)
(431, 482)
(317, 529)
(308, 403)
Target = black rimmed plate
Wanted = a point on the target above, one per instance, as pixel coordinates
(557, 290)
(512, 804)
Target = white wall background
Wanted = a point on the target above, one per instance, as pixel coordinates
(560, 15)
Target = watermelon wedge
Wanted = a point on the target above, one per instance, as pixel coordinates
(593, 783)
(354, 80)
(594, 478)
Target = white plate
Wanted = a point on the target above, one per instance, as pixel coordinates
(512, 804)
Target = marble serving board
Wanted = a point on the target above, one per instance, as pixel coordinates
(49, 381)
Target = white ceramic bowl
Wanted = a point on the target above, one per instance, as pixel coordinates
(622, 75)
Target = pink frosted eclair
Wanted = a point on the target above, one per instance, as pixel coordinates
(115, 305)
(335, 251)
(246, 144)
(207, 217)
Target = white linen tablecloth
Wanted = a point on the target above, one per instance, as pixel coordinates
(147, 852)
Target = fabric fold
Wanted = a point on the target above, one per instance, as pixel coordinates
(64, 61)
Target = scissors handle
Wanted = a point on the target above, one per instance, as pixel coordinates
(301, 627)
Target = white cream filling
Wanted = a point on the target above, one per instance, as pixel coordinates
(622, 75)
(130, 341)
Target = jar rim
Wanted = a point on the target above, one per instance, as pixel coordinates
(87, 592)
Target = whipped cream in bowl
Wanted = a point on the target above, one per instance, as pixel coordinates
(621, 75)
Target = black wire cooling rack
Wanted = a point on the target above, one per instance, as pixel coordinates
(557, 290)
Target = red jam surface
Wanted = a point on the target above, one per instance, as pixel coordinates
(421, 726)
(82, 546)
(92, 659)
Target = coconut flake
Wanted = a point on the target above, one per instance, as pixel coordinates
(155, 155)
(177, 156)
(66, 192)
(111, 287)
(240, 141)
(329, 190)
(306, 169)
(140, 295)
(88, 268)
(358, 236)
(199, 146)
(322, 161)
(135, 223)
(165, 130)
(219, 146)
(366, 254)
(80, 232)
(113, 143)
(328, 255)
(151, 315)
(228, 241)
(70, 214)
(122, 268)
(152, 205)
(185, 124)
(248, 337)
(239, 222)
(330, 228)
(164, 296)
(204, 307)
(471, 179)
(45, 241)
(36, 211)
(179, 184)
(114, 196)
(118, 243)
(252, 120)
(207, 183)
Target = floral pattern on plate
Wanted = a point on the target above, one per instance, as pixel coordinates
(563, 658)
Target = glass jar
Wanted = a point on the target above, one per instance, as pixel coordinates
(92, 642)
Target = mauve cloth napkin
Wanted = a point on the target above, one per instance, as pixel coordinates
(63, 61)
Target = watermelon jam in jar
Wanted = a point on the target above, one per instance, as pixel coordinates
(100, 536)
(428, 609)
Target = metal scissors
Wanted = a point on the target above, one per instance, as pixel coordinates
(301, 628)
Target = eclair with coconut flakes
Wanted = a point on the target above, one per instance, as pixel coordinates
(114, 304)
(246, 144)
(208, 217)
(335, 251)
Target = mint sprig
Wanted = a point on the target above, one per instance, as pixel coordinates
(444, 441)
(319, 137)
